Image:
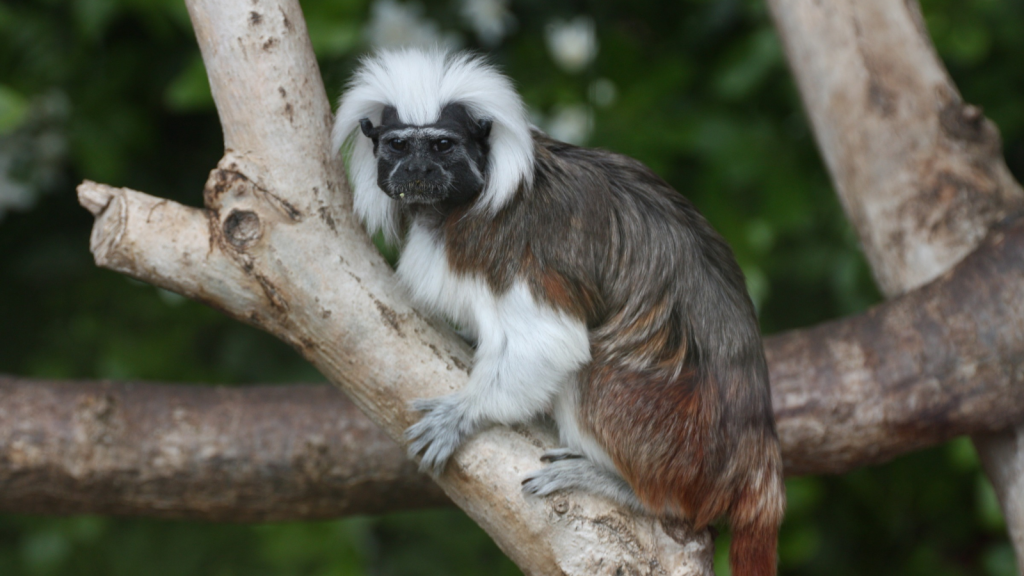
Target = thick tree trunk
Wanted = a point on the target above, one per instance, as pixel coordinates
(919, 171)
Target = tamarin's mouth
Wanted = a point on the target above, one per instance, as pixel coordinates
(418, 192)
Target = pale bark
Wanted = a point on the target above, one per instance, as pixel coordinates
(919, 171)
(255, 453)
(940, 361)
(277, 246)
(1001, 457)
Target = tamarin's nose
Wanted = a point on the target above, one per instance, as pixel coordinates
(419, 168)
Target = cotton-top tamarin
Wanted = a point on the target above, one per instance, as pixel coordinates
(593, 291)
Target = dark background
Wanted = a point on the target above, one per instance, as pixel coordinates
(115, 91)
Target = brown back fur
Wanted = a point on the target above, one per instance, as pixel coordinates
(677, 391)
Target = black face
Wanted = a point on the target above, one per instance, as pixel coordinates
(440, 163)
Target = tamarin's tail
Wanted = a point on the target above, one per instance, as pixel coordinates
(752, 552)
(757, 510)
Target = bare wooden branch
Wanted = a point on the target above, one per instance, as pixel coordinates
(256, 453)
(1000, 454)
(943, 360)
(919, 171)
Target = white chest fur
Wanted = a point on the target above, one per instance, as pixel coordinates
(423, 270)
(528, 354)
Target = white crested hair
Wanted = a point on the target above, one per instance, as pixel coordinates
(419, 84)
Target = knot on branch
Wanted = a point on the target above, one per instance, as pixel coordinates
(231, 183)
(967, 122)
(242, 228)
(240, 211)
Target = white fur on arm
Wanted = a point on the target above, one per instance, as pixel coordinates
(527, 353)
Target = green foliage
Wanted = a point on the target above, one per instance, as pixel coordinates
(115, 91)
(13, 107)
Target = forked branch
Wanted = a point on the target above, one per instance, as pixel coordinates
(920, 172)
(277, 246)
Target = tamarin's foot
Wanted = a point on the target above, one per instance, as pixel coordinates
(570, 471)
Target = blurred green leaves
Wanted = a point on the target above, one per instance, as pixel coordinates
(747, 64)
(189, 91)
(13, 107)
(93, 16)
(409, 544)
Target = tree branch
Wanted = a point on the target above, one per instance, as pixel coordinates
(257, 453)
(943, 360)
(919, 171)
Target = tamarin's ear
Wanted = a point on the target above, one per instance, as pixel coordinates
(369, 130)
(482, 129)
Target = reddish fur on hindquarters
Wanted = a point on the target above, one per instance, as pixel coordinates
(679, 463)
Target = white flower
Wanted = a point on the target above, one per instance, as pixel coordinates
(396, 24)
(490, 19)
(573, 44)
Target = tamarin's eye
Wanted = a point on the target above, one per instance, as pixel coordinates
(443, 145)
(398, 144)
